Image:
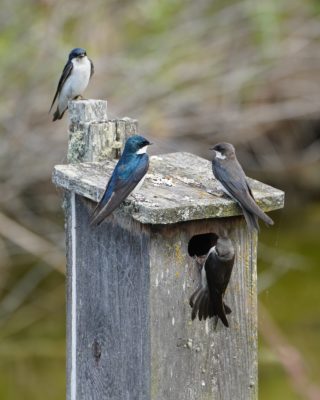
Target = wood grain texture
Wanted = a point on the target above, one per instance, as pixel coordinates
(92, 137)
(129, 329)
(68, 224)
(135, 337)
(112, 310)
(178, 187)
(87, 111)
(191, 360)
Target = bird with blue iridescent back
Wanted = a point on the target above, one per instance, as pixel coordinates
(128, 176)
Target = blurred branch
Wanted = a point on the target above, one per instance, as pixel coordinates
(33, 311)
(279, 263)
(289, 357)
(32, 243)
(20, 291)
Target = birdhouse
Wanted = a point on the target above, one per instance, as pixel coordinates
(129, 328)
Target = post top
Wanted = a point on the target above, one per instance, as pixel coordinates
(87, 111)
(178, 187)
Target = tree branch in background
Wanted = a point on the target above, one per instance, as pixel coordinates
(288, 356)
(32, 243)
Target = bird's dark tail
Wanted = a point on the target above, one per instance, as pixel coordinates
(201, 304)
(252, 212)
(221, 311)
(265, 218)
(96, 219)
(100, 213)
(57, 115)
(93, 220)
(227, 309)
(251, 220)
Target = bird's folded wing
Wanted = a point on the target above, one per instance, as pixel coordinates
(121, 190)
(234, 181)
(92, 68)
(65, 75)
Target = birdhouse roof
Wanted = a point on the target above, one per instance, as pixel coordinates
(178, 187)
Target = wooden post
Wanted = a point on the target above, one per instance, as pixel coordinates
(92, 137)
(130, 334)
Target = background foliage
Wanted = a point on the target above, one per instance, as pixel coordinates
(193, 73)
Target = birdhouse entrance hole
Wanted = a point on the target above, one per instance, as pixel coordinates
(199, 245)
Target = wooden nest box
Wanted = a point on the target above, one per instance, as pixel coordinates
(129, 329)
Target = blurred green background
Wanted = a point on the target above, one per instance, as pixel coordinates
(193, 73)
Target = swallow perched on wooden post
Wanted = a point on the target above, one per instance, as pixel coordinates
(73, 81)
(128, 175)
(228, 171)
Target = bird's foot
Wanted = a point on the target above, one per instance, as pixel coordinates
(215, 193)
(79, 97)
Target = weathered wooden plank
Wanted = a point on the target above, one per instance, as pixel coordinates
(174, 190)
(108, 298)
(70, 272)
(87, 111)
(132, 334)
(92, 137)
(191, 360)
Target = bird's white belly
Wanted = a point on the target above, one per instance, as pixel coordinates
(204, 282)
(76, 84)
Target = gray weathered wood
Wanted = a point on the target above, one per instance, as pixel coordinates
(69, 198)
(134, 335)
(191, 360)
(87, 111)
(178, 187)
(112, 306)
(92, 137)
(129, 329)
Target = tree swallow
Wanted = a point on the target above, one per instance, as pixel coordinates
(73, 81)
(128, 174)
(229, 173)
(207, 300)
